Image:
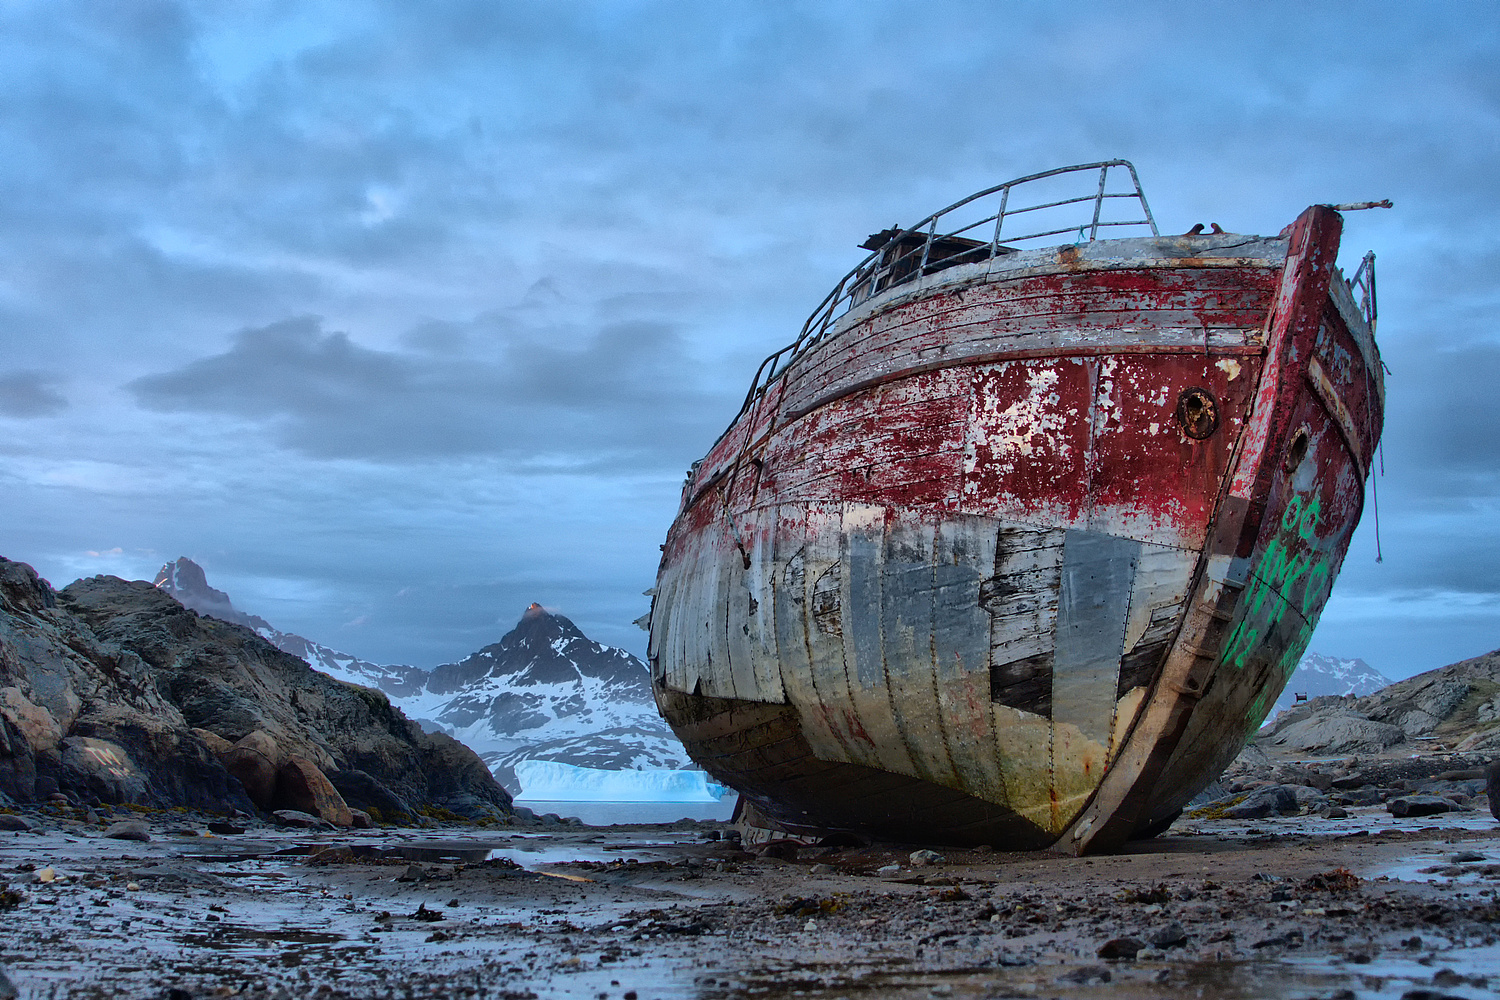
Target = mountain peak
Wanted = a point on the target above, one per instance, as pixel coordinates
(186, 581)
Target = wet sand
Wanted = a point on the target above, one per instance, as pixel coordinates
(1278, 907)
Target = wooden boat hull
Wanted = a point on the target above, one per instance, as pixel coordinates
(1026, 548)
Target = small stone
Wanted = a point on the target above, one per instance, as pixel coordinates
(1464, 857)
(822, 869)
(1170, 936)
(46, 875)
(888, 870)
(413, 873)
(811, 925)
(425, 915)
(10, 821)
(132, 887)
(1335, 812)
(361, 820)
(926, 857)
(225, 829)
(1447, 977)
(1121, 948)
(453, 901)
(128, 829)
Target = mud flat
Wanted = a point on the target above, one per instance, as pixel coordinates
(1369, 905)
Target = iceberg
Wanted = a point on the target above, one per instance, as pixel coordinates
(554, 781)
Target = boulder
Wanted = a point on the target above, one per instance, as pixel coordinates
(256, 761)
(300, 820)
(300, 785)
(1340, 732)
(217, 745)
(1273, 800)
(10, 822)
(361, 820)
(128, 829)
(102, 769)
(1419, 805)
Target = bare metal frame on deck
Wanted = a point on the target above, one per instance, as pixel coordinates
(893, 263)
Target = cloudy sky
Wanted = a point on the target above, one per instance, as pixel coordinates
(398, 317)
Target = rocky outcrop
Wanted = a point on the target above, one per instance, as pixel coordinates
(1339, 732)
(114, 691)
(1456, 704)
(1457, 707)
(89, 717)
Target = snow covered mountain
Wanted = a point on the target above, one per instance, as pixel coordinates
(544, 693)
(1319, 675)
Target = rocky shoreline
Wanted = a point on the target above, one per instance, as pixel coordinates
(1290, 902)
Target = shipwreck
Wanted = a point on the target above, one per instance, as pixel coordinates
(1019, 539)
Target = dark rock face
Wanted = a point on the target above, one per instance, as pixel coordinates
(103, 684)
(1492, 788)
(363, 792)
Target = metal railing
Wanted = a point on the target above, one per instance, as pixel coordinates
(899, 256)
(1362, 288)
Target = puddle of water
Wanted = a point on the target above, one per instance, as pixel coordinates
(530, 851)
(1126, 981)
(1372, 819)
(1392, 975)
(1434, 864)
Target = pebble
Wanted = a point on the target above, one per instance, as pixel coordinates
(1170, 936)
(822, 869)
(45, 875)
(888, 870)
(132, 887)
(413, 873)
(1119, 948)
(128, 829)
(926, 857)
(10, 821)
(1465, 856)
